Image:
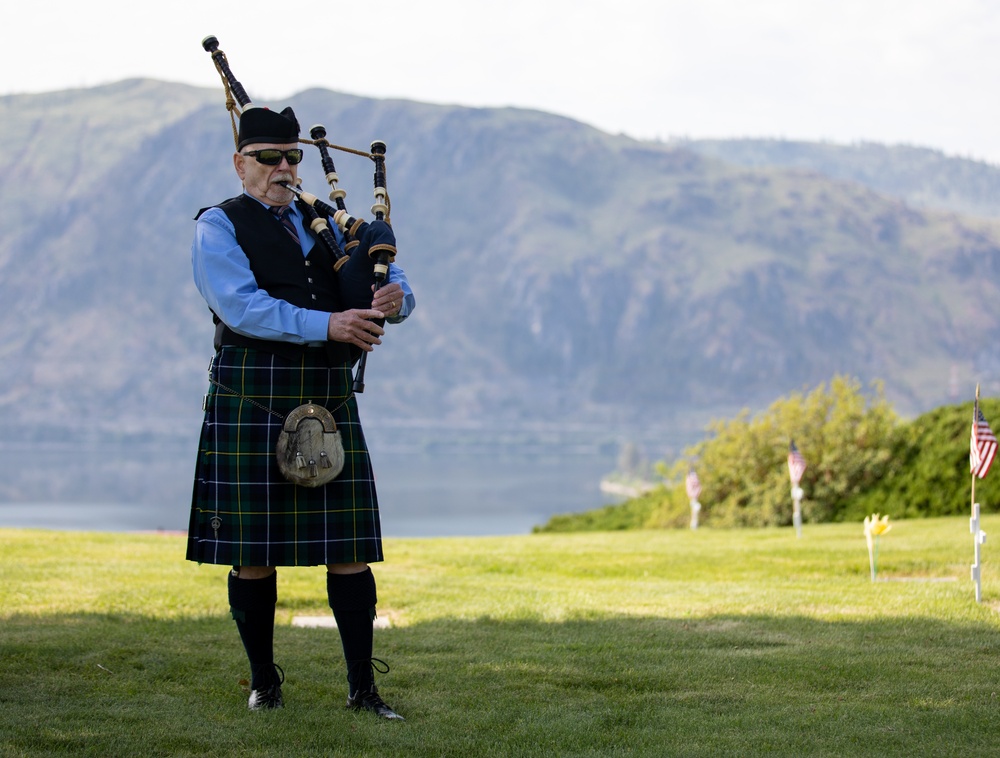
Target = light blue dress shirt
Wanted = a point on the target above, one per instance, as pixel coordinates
(223, 277)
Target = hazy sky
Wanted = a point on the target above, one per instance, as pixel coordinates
(923, 72)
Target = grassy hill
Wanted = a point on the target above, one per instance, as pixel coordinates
(708, 643)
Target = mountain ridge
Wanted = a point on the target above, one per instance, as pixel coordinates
(561, 273)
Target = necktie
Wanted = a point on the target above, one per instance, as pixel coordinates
(284, 216)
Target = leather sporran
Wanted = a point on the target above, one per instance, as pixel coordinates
(310, 449)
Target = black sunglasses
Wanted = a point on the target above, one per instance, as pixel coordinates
(272, 156)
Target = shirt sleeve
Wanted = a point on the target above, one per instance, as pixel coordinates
(223, 277)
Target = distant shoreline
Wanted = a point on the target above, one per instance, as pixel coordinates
(633, 488)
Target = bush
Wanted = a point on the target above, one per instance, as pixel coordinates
(860, 459)
(930, 475)
(846, 437)
(632, 514)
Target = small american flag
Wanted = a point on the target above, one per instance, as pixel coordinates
(983, 446)
(796, 464)
(693, 485)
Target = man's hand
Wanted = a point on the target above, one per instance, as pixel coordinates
(388, 299)
(355, 327)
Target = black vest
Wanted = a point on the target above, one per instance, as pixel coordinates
(281, 270)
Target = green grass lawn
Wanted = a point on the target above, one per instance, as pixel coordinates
(707, 643)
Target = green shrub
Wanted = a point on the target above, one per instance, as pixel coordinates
(930, 472)
(632, 514)
(860, 459)
(846, 437)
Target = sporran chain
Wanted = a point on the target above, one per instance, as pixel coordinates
(263, 407)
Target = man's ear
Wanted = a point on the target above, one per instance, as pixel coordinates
(238, 159)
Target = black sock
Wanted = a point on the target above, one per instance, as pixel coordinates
(352, 598)
(252, 602)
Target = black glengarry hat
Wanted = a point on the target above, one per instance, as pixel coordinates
(264, 125)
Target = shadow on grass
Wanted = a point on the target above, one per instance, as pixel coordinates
(726, 685)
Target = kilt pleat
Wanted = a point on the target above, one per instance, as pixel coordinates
(243, 511)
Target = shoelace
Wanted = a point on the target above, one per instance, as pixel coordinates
(356, 665)
(273, 688)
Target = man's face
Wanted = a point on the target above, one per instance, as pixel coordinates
(263, 182)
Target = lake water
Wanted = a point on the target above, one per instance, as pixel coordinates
(422, 492)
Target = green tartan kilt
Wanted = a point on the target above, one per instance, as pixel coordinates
(243, 511)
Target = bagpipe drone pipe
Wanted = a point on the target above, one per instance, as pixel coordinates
(370, 246)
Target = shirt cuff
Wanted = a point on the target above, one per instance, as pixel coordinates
(316, 327)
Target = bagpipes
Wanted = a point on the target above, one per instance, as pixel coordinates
(369, 246)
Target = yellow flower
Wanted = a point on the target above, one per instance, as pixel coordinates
(875, 526)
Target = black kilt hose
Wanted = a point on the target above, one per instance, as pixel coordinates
(243, 511)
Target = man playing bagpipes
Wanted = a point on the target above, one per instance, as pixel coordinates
(289, 328)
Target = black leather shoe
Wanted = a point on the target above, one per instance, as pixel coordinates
(269, 696)
(266, 698)
(370, 701)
